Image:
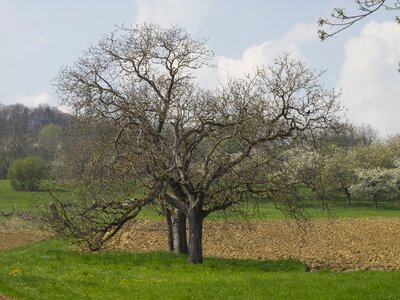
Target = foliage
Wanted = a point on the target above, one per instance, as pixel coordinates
(339, 172)
(369, 168)
(19, 131)
(308, 165)
(50, 140)
(393, 143)
(375, 155)
(377, 170)
(26, 173)
(376, 182)
(349, 135)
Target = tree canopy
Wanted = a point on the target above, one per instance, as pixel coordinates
(195, 150)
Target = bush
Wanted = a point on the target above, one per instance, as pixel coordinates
(26, 173)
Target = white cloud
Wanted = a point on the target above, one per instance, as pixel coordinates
(369, 77)
(185, 13)
(33, 101)
(261, 54)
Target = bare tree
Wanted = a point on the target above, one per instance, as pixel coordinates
(201, 150)
(343, 20)
(94, 196)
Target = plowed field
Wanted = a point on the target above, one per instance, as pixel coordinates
(339, 244)
(11, 239)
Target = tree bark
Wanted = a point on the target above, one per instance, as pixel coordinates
(176, 224)
(179, 232)
(168, 217)
(195, 219)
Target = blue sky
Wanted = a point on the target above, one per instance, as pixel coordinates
(38, 37)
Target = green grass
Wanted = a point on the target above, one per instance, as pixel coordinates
(264, 209)
(50, 270)
(10, 199)
(267, 210)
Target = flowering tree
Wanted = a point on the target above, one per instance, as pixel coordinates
(377, 182)
(339, 172)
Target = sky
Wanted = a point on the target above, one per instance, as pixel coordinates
(39, 37)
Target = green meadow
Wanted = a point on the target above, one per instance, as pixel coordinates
(53, 269)
(255, 209)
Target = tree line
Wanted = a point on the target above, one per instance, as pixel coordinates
(371, 170)
(25, 131)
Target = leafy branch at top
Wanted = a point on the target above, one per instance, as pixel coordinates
(343, 20)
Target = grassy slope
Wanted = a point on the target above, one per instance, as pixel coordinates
(49, 270)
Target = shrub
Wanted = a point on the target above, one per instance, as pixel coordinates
(26, 173)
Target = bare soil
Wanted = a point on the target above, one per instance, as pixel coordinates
(338, 244)
(12, 239)
(15, 232)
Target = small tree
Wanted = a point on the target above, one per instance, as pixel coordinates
(339, 172)
(377, 182)
(308, 165)
(26, 173)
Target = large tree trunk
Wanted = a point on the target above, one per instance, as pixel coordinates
(179, 232)
(176, 224)
(195, 219)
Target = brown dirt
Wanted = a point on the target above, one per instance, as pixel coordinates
(339, 244)
(11, 239)
(15, 232)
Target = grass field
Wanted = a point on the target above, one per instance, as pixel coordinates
(9, 199)
(50, 270)
(263, 209)
(53, 270)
